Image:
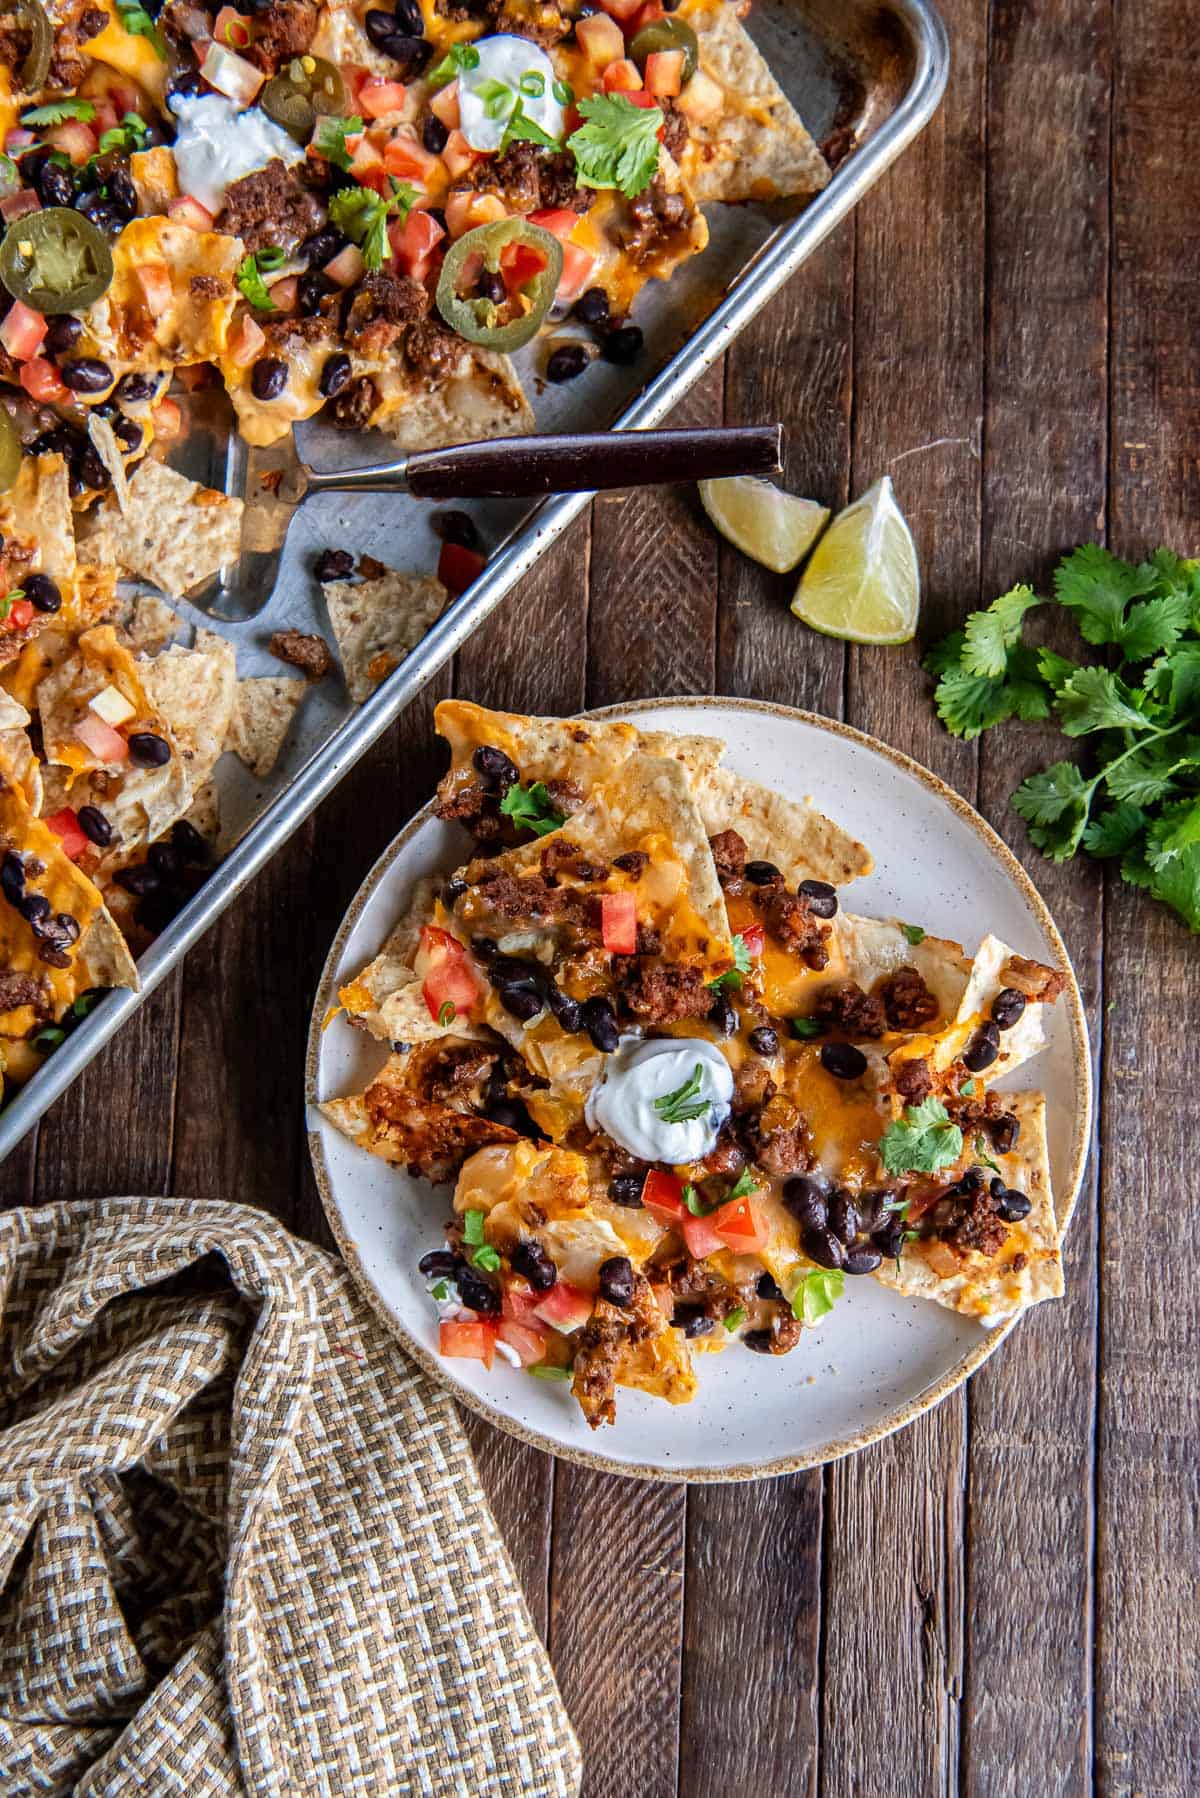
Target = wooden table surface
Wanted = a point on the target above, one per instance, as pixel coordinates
(1002, 1599)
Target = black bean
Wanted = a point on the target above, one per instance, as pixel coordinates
(626, 1190)
(86, 374)
(135, 388)
(122, 195)
(53, 956)
(148, 750)
(823, 1247)
(189, 842)
(806, 1199)
(843, 1061)
(456, 527)
(42, 592)
(767, 1288)
(67, 926)
(379, 26)
(477, 1294)
(862, 1261)
(568, 1012)
(513, 1116)
(616, 1280)
(127, 431)
(95, 826)
(592, 307)
(105, 214)
(336, 375)
(889, 1238)
(1004, 1132)
(521, 1001)
(872, 1209)
(268, 378)
(434, 134)
(334, 565)
(1014, 1206)
(88, 473)
(982, 1049)
(321, 247)
(623, 346)
(482, 947)
(1008, 1007)
(722, 1015)
(54, 185)
(763, 1040)
(497, 769)
(187, 83)
(60, 441)
(843, 1216)
(413, 53)
(759, 1342)
(453, 891)
(762, 874)
(140, 879)
(530, 1260)
(64, 332)
(12, 876)
(439, 1264)
(566, 362)
(997, 1188)
(491, 286)
(166, 860)
(693, 1320)
(822, 898)
(409, 18)
(600, 1022)
(34, 907)
(311, 290)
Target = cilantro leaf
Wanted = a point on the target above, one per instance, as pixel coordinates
(1055, 805)
(913, 933)
(362, 215)
(57, 112)
(1096, 699)
(945, 654)
(329, 138)
(746, 1183)
(732, 977)
(1115, 830)
(530, 808)
(1175, 829)
(1153, 625)
(1177, 884)
(1175, 680)
(968, 704)
(1097, 587)
(922, 1141)
(130, 134)
(521, 127)
(1145, 776)
(990, 634)
(1054, 669)
(817, 1293)
(806, 1028)
(138, 23)
(684, 1104)
(617, 145)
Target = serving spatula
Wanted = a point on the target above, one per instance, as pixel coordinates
(275, 483)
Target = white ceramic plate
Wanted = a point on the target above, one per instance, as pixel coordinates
(877, 1361)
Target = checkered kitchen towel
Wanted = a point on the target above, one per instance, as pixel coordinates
(243, 1546)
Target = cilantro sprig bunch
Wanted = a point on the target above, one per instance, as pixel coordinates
(363, 216)
(1135, 796)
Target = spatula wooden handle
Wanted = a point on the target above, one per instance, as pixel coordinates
(510, 467)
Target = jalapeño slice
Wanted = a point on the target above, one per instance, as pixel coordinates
(666, 34)
(10, 452)
(55, 260)
(37, 64)
(304, 87)
(478, 319)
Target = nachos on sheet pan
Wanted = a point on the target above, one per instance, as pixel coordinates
(681, 1092)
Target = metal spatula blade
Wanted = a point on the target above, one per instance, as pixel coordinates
(275, 483)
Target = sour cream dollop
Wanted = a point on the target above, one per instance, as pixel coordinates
(622, 1101)
(217, 143)
(525, 74)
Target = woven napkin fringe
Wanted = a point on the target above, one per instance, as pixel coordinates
(243, 1545)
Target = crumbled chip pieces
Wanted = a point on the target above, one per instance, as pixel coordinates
(174, 534)
(376, 622)
(262, 716)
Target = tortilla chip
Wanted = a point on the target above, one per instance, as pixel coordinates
(588, 751)
(395, 1120)
(155, 177)
(992, 1288)
(1025, 1039)
(18, 763)
(193, 327)
(800, 840)
(204, 813)
(340, 39)
(145, 624)
(482, 398)
(262, 717)
(378, 621)
(36, 511)
(759, 148)
(194, 691)
(386, 998)
(875, 947)
(175, 534)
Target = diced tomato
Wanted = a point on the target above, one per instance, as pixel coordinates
(19, 205)
(664, 73)
(753, 939)
(519, 1301)
(40, 380)
(187, 210)
(649, 14)
(232, 29)
(414, 241)
(405, 158)
(366, 158)
(444, 106)
(565, 1307)
(622, 9)
(557, 220)
(245, 341)
(663, 1195)
(154, 279)
(618, 923)
(20, 614)
(74, 139)
(106, 119)
(22, 332)
(65, 825)
(529, 1344)
(519, 264)
(740, 1227)
(576, 272)
(446, 974)
(458, 156)
(377, 98)
(286, 293)
(643, 99)
(105, 743)
(167, 418)
(702, 100)
(468, 1341)
(458, 567)
(702, 1237)
(621, 77)
(599, 37)
(347, 267)
(18, 140)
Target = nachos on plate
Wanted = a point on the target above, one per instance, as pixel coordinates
(681, 1092)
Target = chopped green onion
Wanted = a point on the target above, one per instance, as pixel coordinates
(447, 1012)
(735, 1318)
(805, 1028)
(545, 1370)
(473, 1228)
(486, 1258)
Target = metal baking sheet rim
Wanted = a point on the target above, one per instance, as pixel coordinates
(761, 278)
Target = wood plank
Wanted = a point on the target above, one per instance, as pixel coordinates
(1028, 1684)
(1148, 1535)
(894, 1565)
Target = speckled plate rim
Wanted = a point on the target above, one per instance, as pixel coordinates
(906, 1413)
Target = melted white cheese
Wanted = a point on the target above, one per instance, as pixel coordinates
(485, 110)
(217, 144)
(622, 1102)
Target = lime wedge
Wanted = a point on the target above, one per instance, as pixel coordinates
(774, 528)
(863, 582)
